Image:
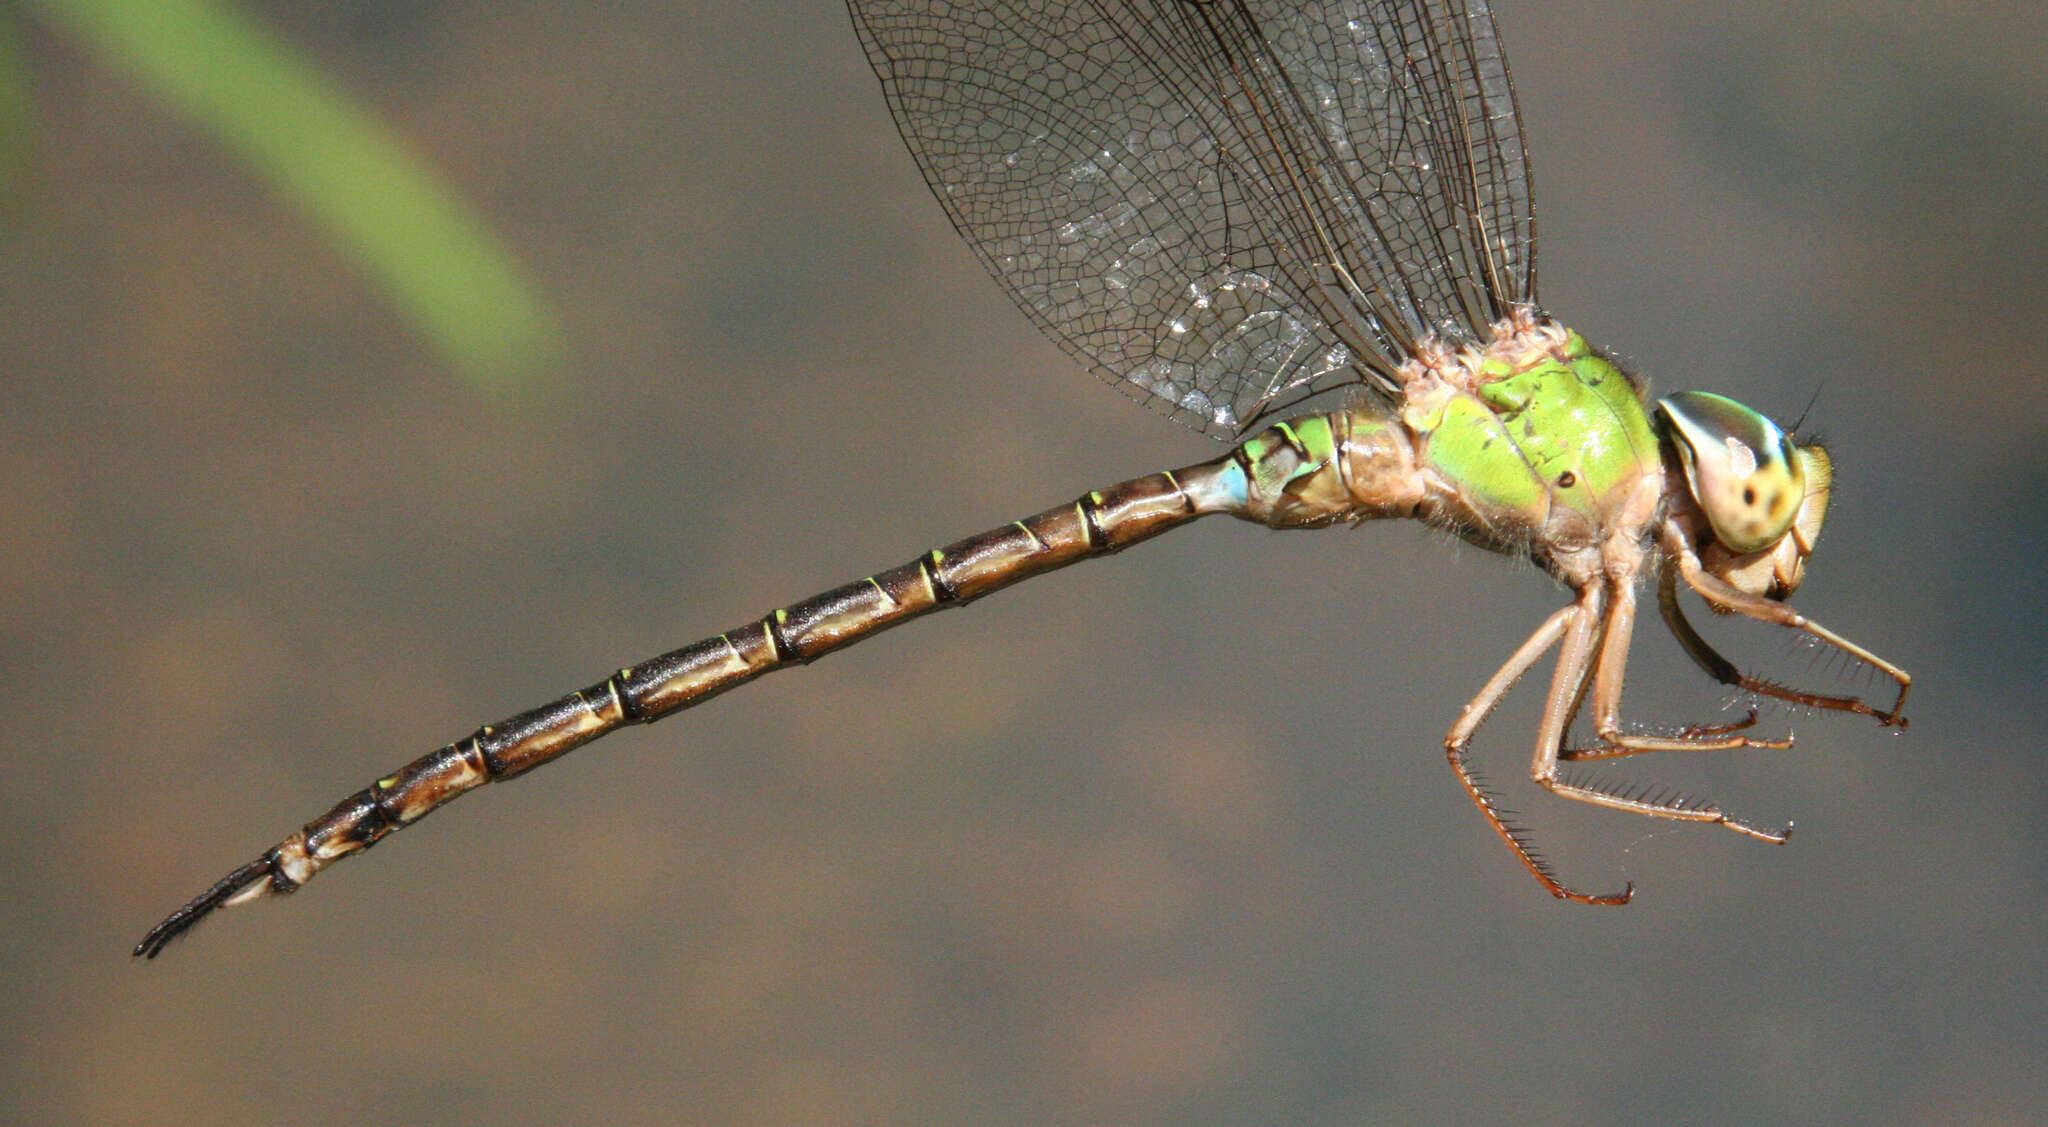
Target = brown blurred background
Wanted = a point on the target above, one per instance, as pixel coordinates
(1167, 838)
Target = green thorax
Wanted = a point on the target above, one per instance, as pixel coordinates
(1536, 439)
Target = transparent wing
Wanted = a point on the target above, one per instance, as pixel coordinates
(1223, 206)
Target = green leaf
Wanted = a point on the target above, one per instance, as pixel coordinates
(17, 116)
(436, 260)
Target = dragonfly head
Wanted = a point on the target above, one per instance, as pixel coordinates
(1764, 496)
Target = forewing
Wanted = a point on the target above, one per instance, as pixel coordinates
(1224, 207)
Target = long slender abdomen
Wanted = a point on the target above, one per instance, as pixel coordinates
(1308, 472)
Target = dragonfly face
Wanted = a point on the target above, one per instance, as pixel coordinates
(1763, 495)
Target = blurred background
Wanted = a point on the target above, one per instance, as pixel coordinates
(1167, 838)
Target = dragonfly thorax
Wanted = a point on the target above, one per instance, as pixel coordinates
(1535, 443)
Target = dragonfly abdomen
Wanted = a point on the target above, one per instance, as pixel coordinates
(1306, 472)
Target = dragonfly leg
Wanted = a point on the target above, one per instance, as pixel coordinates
(1614, 741)
(1693, 737)
(1608, 664)
(1720, 595)
(1459, 740)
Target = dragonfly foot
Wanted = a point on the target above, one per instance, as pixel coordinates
(1896, 717)
(1699, 731)
(1613, 899)
(1778, 837)
(1697, 737)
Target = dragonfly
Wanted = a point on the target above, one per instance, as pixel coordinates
(1304, 228)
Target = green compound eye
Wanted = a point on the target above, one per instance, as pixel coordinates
(1744, 471)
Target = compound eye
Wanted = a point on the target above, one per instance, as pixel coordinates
(1744, 471)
